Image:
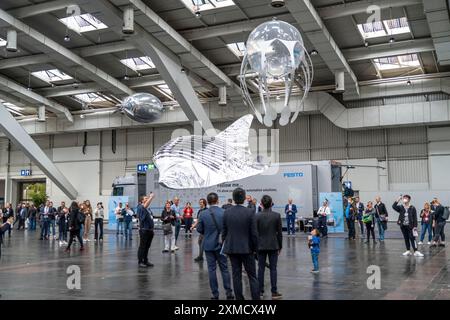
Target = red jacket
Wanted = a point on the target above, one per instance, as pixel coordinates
(187, 213)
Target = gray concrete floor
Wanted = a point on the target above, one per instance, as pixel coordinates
(33, 269)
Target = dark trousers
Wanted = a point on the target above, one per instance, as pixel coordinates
(177, 229)
(410, 240)
(32, 223)
(351, 228)
(439, 231)
(273, 259)
(214, 258)
(146, 237)
(21, 223)
(72, 235)
(188, 225)
(248, 260)
(98, 227)
(200, 246)
(323, 229)
(62, 231)
(290, 223)
(361, 225)
(370, 230)
(45, 225)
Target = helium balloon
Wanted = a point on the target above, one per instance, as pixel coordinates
(274, 61)
(142, 107)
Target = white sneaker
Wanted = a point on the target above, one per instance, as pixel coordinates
(407, 253)
(176, 248)
(420, 243)
(428, 242)
(418, 254)
(61, 243)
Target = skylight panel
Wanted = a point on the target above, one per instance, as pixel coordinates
(139, 63)
(204, 5)
(165, 88)
(50, 76)
(397, 62)
(384, 28)
(83, 23)
(2, 42)
(238, 48)
(91, 97)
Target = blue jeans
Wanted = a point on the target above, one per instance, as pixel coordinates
(32, 223)
(290, 223)
(52, 226)
(119, 227)
(213, 258)
(44, 228)
(425, 227)
(177, 229)
(315, 260)
(128, 229)
(273, 259)
(380, 230)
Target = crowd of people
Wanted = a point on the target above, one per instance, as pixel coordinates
(432, 219)
(244, 231)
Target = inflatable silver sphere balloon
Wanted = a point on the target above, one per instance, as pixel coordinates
(275, 48)
(278, 65)
(142, 107)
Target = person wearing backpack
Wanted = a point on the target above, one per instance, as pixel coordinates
(407, 220)
(210, 225)
(440, 219)
(76, 220)
(368, 218)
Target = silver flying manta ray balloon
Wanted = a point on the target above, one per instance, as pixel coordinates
(198, 162)
(275, 60)
(142, 107)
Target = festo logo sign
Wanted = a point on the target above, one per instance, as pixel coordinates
(292, 174)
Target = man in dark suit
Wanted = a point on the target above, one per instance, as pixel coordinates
(210, 225)
(240, 243)
(270, 242)
(227, 205)
(290, 210)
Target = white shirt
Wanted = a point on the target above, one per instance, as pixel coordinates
(324, 211)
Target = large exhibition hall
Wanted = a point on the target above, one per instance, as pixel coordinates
(224, 150)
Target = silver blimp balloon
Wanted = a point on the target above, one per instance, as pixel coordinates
(142, 107)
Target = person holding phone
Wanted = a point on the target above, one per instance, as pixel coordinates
(146, 226)
(407, 220)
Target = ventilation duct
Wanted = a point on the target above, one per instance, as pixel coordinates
(128, 20)
(437, 12)
(11, 38)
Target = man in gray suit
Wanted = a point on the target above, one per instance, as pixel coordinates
(240, 243)
(270, 242)
(210, 225)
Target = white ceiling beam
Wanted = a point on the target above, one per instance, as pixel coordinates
(17, 134)
(351, 8)
(389, 49)
(67, 56)
(313, 27)
(15, 89)
(36, 9)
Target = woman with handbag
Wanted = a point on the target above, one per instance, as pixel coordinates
(168, 217)
(368, 218)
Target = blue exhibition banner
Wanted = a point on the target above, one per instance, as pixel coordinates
(335, 221)
(112, 205)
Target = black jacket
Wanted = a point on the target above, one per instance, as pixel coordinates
(381, 210)
(168, 216)
(268, 225)
(227, 206)
(412, 215)
(74, 221)
(239, 233)
(438, 214)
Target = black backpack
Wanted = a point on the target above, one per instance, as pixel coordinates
(446, 213)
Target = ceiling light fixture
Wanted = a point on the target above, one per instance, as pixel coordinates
(366, 44)
(277, 3)
(314, 52)
(408, 83)
(126, 78)
(391, 40)
(66, 38)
